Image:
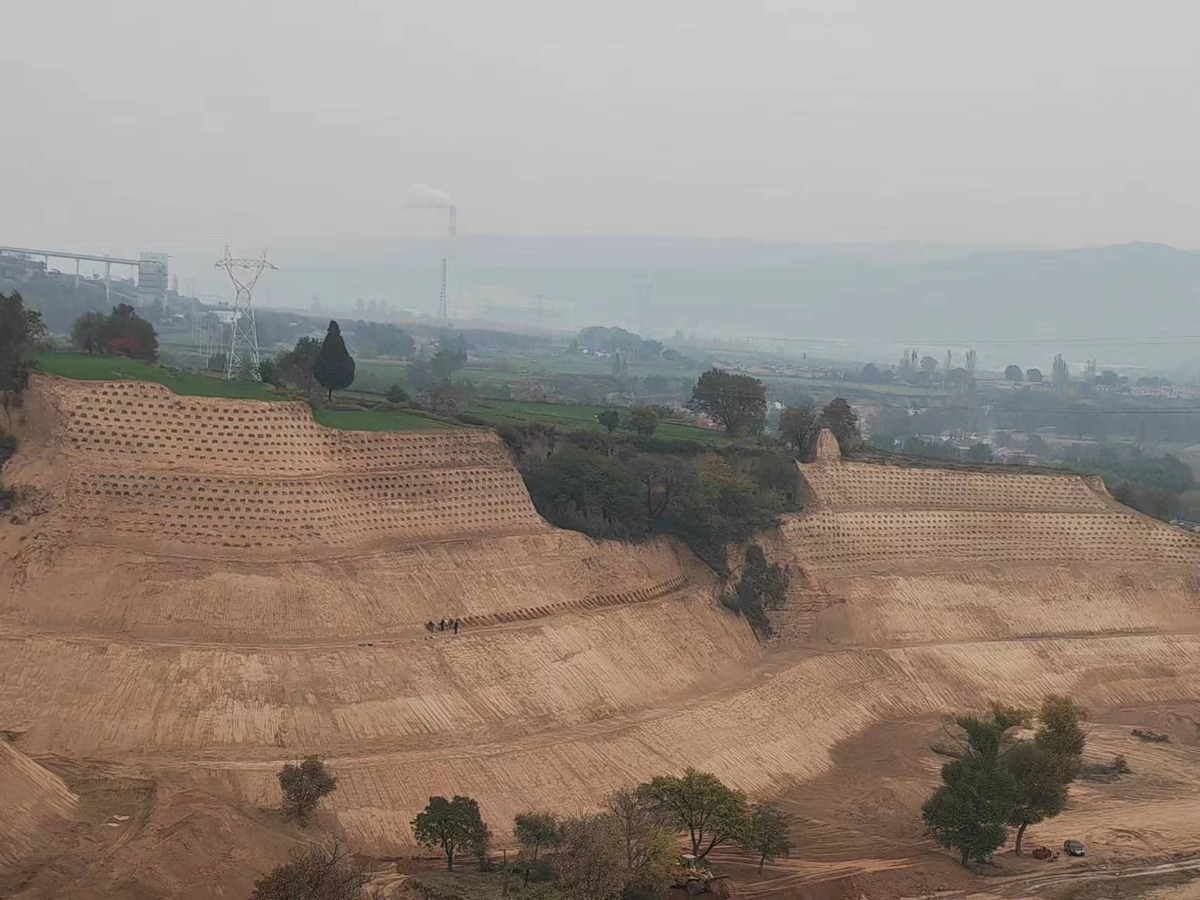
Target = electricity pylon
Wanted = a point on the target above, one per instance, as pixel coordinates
(243, 340)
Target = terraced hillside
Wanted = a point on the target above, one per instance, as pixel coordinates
(201, 590)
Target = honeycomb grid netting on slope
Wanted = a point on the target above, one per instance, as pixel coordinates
(150, 466)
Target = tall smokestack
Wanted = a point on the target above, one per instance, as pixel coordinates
(423, 196)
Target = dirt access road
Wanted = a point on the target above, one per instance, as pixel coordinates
(1049, 885)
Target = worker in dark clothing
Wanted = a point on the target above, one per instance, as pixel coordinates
(442, 625)
(456, 626)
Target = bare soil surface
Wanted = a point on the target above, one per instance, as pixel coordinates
(196, 591)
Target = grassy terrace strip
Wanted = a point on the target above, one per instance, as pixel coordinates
(87, 367)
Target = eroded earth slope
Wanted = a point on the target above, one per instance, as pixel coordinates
(196, 591)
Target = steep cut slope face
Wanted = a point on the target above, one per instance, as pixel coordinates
(905, 554)
(32, 802)
(148, 468)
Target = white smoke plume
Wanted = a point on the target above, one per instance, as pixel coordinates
(424, 196)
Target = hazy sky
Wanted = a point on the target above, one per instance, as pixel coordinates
(156, 123)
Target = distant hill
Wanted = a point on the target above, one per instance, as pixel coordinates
(1013, 303)
(904, 293)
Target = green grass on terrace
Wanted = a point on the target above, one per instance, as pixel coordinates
(573, 416)
(86, 367)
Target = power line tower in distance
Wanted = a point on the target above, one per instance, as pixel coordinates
(243, 339)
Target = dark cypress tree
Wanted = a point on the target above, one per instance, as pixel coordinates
(333, 368)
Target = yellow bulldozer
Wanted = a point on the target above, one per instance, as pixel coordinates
(694, 878)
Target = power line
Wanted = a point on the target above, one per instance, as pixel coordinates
(1156, 411)
(991, 342)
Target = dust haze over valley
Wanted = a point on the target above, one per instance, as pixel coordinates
(783, 417)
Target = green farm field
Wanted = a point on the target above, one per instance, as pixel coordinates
(572, 416)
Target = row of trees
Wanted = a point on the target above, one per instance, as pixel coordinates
(998, 781)
(312, 362)
(121, 333)
(630, 488)
(624, 852)
(328, 363)
(21, 330)
(800, 425)
(642, 420)
(739, 404)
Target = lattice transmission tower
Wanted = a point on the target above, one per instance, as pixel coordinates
(243, 339)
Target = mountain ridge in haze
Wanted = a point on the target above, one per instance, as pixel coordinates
(906, 293)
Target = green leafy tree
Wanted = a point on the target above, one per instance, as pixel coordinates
(841, 419)
(738, 402)
(1034, 375)
(979, 452)
(1040, 792)
(664, 478)
(766, 834)
(929, 365)
(535, 830)
(268, 373)
(1060, 374)
(480, 842)
(296, 366)
(1061, 734)
(644, 420)
(128, 334)
(589, 492)
(798, 426)
(452, 825)
(21, 330)
(396, 394)
(451, 356)
(303, 787)
(721, 508)
(333, 368)
(969, 811)
(314, 873)
(122, 332)
(590, 860)
(763, 586)
(610, 420)
(1013, 373)
(647, 837)
(87, 333)
(711, 812)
